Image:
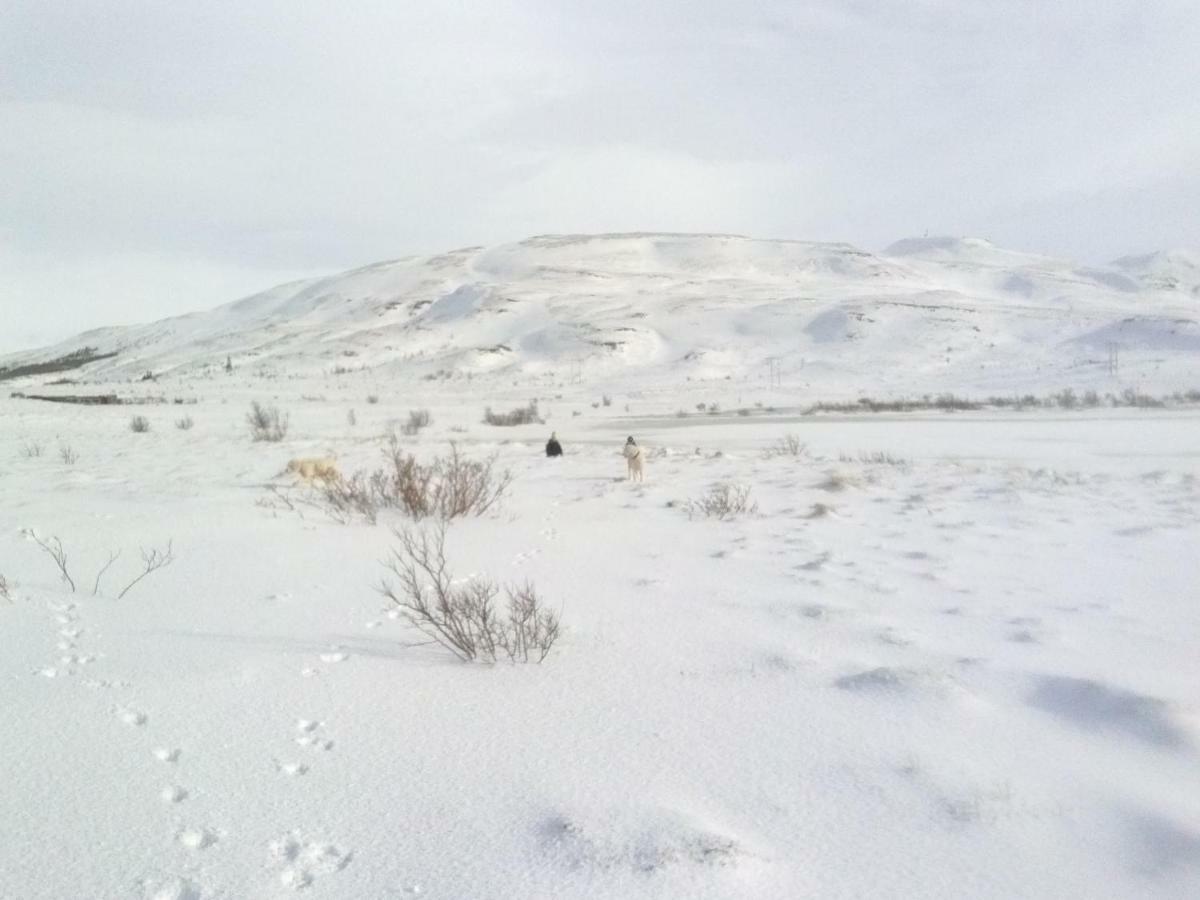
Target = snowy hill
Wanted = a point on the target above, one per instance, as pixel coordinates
(926, 314)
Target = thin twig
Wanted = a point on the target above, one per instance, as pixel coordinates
(59, 555)
(112, 557)
(152, 561)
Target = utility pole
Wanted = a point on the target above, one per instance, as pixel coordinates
(1114, 358)
(774, 373)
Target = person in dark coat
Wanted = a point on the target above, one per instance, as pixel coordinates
(553, 447)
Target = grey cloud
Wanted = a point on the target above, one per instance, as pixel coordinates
(277, 137)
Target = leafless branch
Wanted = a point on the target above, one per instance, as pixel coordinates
(55, 549)
(112, 557)
(152, 560)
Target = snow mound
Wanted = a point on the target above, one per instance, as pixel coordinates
(1170, 270)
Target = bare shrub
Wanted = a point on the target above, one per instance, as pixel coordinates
(351, 418)
(606, 400)
(417, 419)
(185, 424)
(788, 445)
(267, 423)
(344, 498)
(1091, 398)
(464, 617)
(882, 458)
(1065, 398)
(5, 589)
(152, 561)
(68, 455)
(722, 501)
(372, 399)
(32, 449)
(448, 487)
(139, 424)
(522, 415)
(467, 486)
(1135, 398)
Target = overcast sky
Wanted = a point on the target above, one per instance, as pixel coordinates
(160, 157)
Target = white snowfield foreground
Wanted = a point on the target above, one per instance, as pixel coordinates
(941, 654)
(947, 656)
(926, 315)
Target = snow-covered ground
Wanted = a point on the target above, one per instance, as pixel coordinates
(950, 655)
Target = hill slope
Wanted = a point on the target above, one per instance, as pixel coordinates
(926, 314)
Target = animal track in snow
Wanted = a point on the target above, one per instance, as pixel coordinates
(96, 684)
(196, 838)
(309, 734)
(166, 754)
(173, 793)
(172, 889)
(131, 717)
(302, 861)
(295, 770)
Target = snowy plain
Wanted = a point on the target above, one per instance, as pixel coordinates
(950, 654)
(974, 675)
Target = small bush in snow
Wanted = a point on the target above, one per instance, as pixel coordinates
(788, 445)
(447, 488)
(875, 457)
(351, 418)
(152, 560)
(5, 590)
(417, 419)
(68, 455)
(723, 501)
(372, 399)
(464, 617)
(522, 415)
(606, 400)
(1065, 398)
(1132, 397)
(32, 449)
(267, 423)
(184, 424)
(139, 424)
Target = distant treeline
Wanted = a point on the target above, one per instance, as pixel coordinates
(62, 364)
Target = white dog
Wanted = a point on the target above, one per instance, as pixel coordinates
(315, 469)
(634, 460)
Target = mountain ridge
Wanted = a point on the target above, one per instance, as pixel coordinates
(955, 311)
